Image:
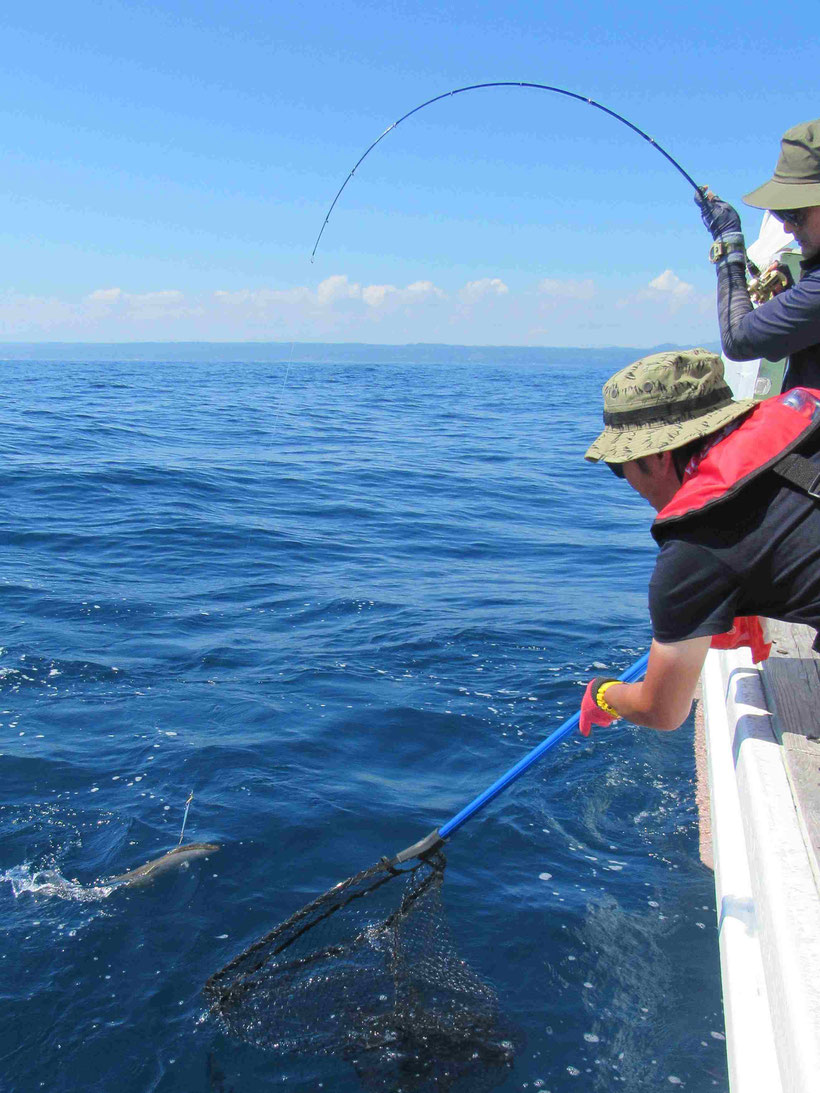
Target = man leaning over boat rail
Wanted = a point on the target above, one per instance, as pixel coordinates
(736, 486)
(787, 324)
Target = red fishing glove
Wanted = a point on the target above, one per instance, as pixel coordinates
(594, 708)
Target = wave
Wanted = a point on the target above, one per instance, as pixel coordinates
(28, 879)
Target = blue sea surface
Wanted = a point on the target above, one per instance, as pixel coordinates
(335, 602)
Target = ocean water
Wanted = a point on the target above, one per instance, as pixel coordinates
(335, 602)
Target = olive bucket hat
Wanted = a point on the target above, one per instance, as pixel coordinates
(664, 401)
(796, 180)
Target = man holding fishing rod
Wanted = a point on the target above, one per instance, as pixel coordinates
(788, 324)
(736, 486)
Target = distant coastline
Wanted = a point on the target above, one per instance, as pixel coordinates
(321, 353)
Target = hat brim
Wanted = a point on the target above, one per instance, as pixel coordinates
(625, 443)
(784, 195)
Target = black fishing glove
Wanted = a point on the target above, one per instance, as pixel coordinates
(718, 216)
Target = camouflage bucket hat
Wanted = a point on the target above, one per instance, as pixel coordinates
(796, 180)
(664, 401)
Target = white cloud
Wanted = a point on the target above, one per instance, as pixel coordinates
(105, 295)
(552, 311)
(376, 295)
(33, 317)
(336, 288)
(330, 293)
(424, 290)
(474, 291)
(263, 299)
(140, 306)
(669, 283)
(380, 296)
(335, 295)
(668, 309)
(669, 295)
(166, 304)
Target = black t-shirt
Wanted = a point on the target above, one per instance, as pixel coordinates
(755, 554)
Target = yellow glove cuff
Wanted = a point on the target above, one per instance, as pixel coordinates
(601, 701)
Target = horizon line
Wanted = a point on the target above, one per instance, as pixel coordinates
(369, 345)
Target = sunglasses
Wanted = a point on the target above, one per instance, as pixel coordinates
(793, 216)
(617, 469)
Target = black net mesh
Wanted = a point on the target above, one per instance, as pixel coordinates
(368, 972)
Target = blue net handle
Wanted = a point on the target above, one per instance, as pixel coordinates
(634, 672)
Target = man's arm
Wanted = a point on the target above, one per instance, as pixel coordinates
(664, 698)
(783, 325)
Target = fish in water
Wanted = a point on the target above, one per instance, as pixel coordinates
(50, 882)
(181, 855)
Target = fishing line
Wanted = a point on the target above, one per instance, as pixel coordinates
(282, 392)
(185, 817)
(501, 83)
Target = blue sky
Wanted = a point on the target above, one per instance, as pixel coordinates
(168, 166)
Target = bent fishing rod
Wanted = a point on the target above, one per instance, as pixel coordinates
(500, 83)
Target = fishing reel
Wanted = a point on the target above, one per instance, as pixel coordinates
(771, 282)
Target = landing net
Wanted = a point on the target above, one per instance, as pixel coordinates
(368, 973)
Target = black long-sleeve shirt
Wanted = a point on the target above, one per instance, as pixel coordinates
(788, 325)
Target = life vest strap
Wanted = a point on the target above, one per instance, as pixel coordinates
(801, 472)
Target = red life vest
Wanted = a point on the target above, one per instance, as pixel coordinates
(743, 450)
(736, 455)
